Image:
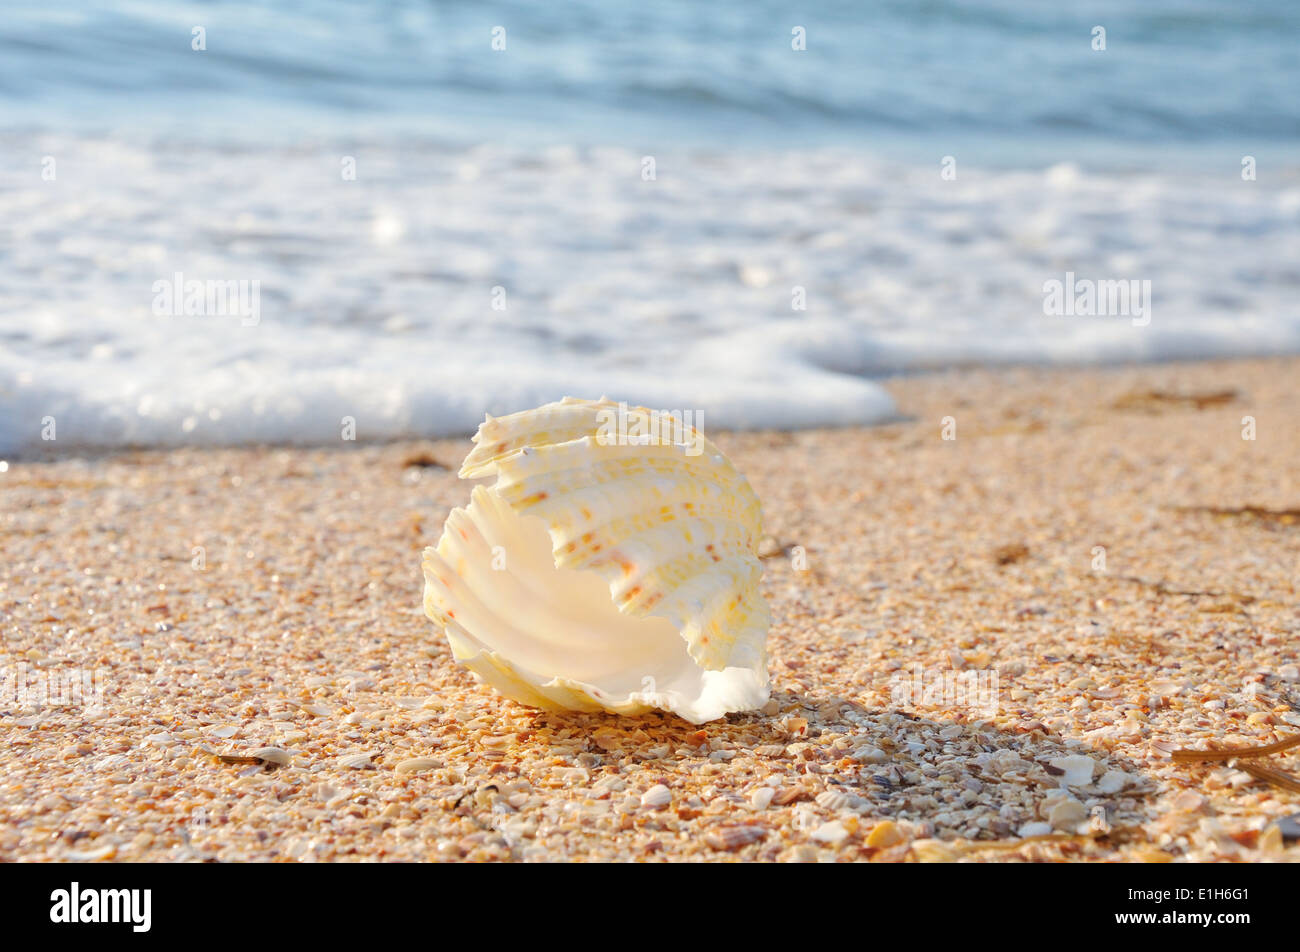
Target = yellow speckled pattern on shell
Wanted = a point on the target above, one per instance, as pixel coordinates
(671, 528)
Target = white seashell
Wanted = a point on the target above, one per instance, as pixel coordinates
(597, 575)
(107, 851)
(867, 754)
(1113, 781)
(1077, 768)
(832, 833)
(357, 761)
(837, 800)
(272, 755)
(416, 764)
(656, 797)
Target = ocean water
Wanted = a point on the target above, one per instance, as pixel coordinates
(425, 228)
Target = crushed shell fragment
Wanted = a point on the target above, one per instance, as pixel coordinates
(735, 837)
(604, 574)
(357, 761)
(107, 851)
(656, 797)
(417, 764)
(275, 756)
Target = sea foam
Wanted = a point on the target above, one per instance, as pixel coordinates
(759, 288)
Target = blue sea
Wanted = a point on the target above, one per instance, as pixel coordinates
(752, 210)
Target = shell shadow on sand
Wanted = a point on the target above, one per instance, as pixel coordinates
(896, 784)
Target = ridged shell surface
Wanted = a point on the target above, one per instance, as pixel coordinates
(610, 566)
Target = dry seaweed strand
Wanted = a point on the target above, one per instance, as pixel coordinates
(1279, 778)
(1151, 400)
(1285, 517)
(1162, 588)
(1234, 606)
(1234, 753)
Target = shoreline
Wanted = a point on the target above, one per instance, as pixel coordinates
(232, 599)
(901, 379)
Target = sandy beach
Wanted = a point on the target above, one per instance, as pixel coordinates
(1101, 552)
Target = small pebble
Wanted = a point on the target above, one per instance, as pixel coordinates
(1289, 826)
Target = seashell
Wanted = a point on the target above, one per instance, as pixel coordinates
(837, 800)
(108, 851)
(831, 833)
(275, 756)
(416, 764)
(735, 837)
(884, 835)
(656, 797)
(1067, 815)
(867, 754)
(1077, 769)
(1113, 781)
(603, 572)
(788, 795)
(360, 761)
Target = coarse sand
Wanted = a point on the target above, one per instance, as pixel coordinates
(984, 648)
